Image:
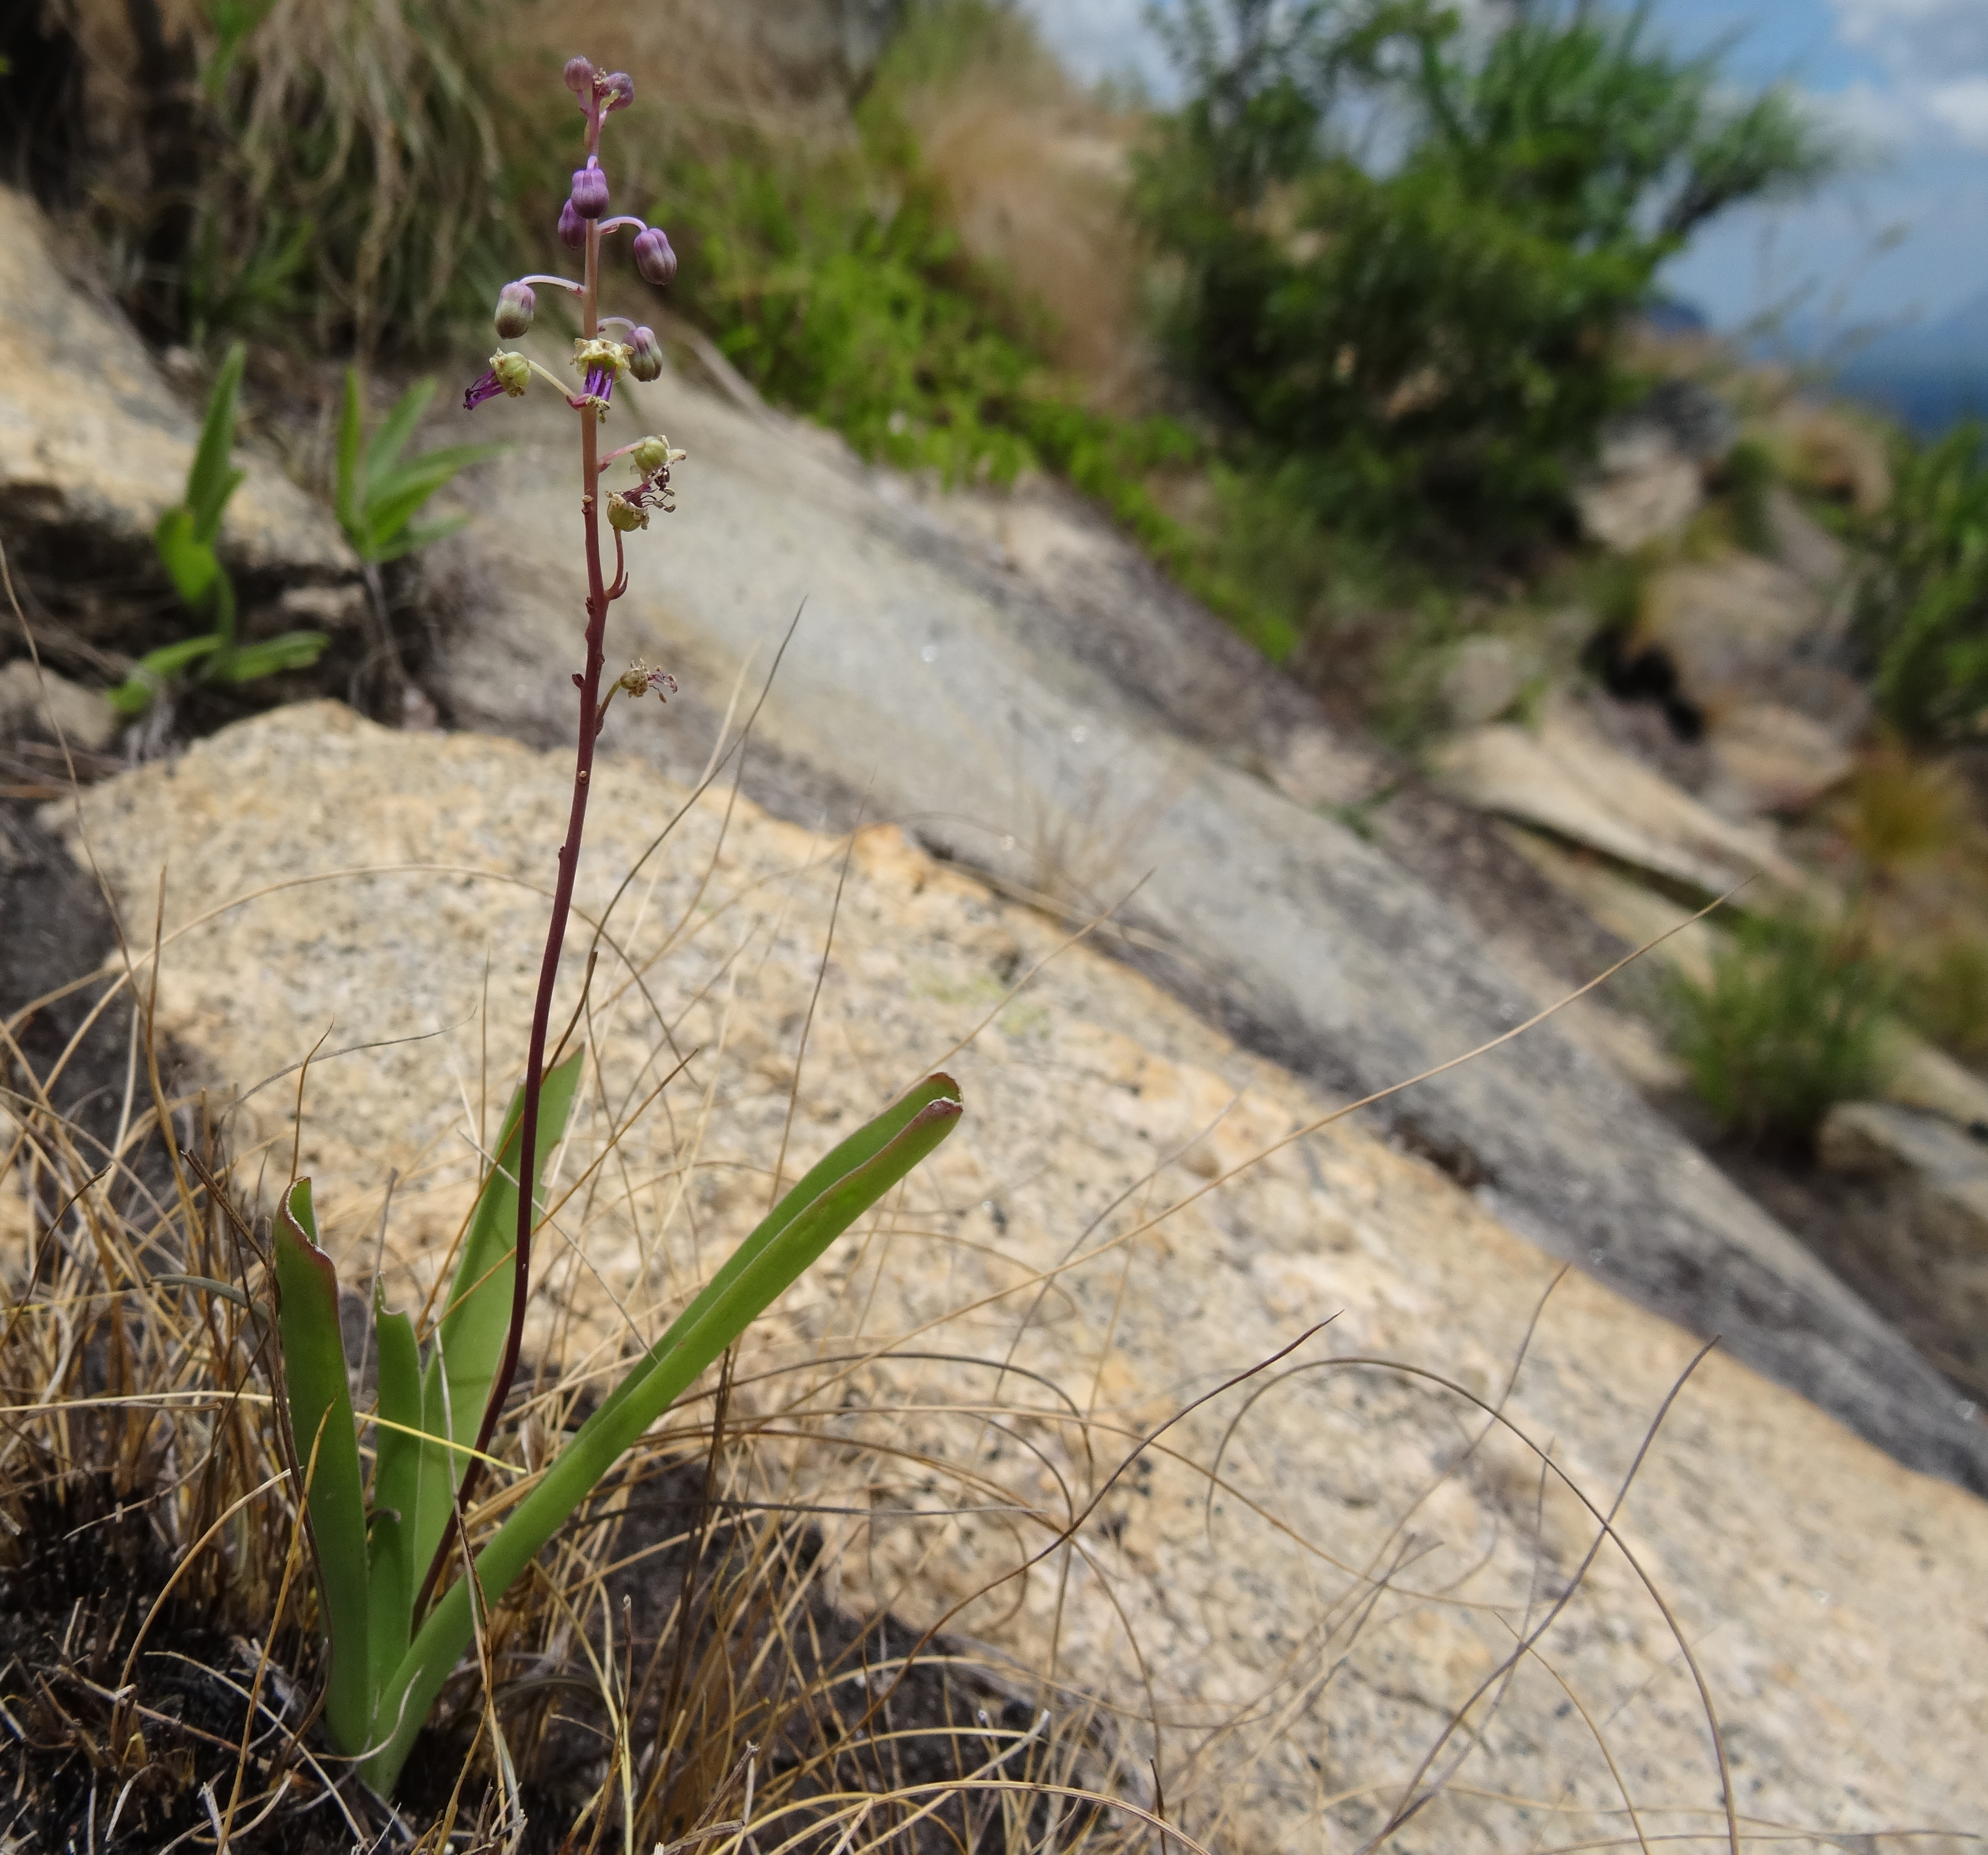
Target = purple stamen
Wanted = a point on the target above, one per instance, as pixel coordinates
(600, 384)
(487, 388)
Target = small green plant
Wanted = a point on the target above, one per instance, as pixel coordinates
(1790, 1022)
(378, 495)
(186, 538)
(390, 1652)
(403, 1588)
(1923, 612)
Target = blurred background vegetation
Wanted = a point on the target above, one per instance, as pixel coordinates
(1335, 335)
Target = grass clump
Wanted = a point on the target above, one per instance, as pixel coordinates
(1790, 1021)
(1923, 612)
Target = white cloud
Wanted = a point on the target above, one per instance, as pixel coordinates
(1963, 107)
(1927, 37)
(1935, 53)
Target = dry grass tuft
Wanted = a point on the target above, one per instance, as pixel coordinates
(1034, 171)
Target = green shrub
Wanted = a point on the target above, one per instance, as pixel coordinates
(1791, 1022)
(1923, 612)
(1436, 343)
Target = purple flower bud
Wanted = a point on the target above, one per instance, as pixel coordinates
(654, 258)
(617, 90)
(579, 77)
(572, 228)
(516, 305)
(645, 358)
(589, 191)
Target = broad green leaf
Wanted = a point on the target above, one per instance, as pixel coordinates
(327, 1447)
(211, 480)
(291, 651)
(477, 1319)
(351, 437)
(793, 1235)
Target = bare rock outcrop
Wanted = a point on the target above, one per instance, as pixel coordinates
(1284, 1598)
(1030, 697)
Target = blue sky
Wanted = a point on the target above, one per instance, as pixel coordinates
(1904, 83)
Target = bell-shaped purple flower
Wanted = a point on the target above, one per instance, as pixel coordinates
(579, 78)
(617, 90)
(516, 305)
(589, 189)
(654, 257)
(572, 228)
(645, 354)
(508, 374)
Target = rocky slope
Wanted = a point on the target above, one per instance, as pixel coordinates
(1012, 683)
(1285, 1599)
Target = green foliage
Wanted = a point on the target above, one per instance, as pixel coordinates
(1923, 613)
(388, 1666)
(836, 287)
(1791, 1022)
(1436, 344)
(377, 495)
(187, 539)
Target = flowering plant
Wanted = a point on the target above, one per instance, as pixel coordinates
(402, 1593)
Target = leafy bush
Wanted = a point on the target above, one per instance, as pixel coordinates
(1436, 341)
(1791, 1022)
(1923, 612)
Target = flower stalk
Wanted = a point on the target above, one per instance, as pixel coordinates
(395, 1632)
(598, 94)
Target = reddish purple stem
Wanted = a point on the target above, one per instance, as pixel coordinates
(589, 691)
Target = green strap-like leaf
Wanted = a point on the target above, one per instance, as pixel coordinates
(477, 1319)
(244, 663)
(383, 451)
(211, 480)
(827, 1201)
(351, 436)
(419, 535)
(396, 1489)
(327, 1446)
(396, 498)
(189, 563)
